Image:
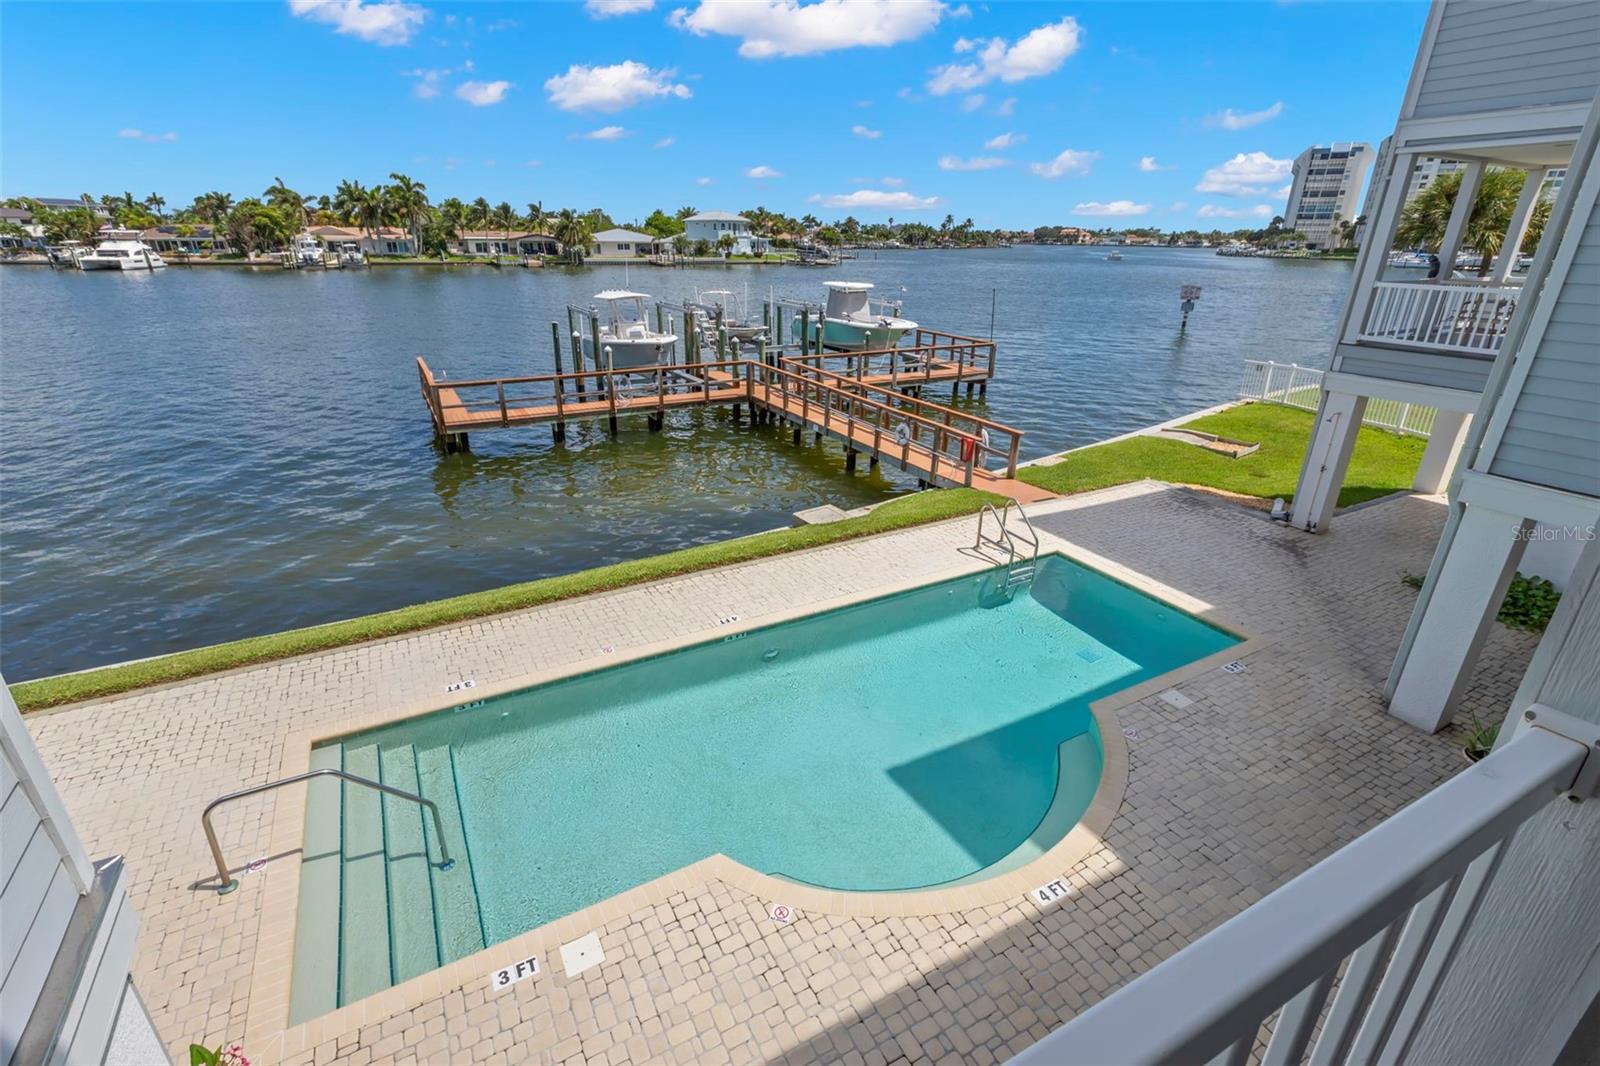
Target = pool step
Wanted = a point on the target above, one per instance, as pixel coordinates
(364, 966)
(413, 944)
(375, 909)
(455, 901)
(314, 988)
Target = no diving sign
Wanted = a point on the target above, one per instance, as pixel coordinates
(781, 913)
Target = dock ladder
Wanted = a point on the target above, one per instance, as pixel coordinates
(1019, 566)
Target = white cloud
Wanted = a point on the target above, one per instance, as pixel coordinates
(1114, 209)
(147, 137)
(534, 163)
(388, 22)
(879, 199)
(1218, 211)
(762, 172)
(429, 79)
(605, 9)
(1148, 164)
(1179, 205)
(977, 162)
(768, 28)
(1041, 51)
(482, 93)
(1007, 108)
(613, 88)
(1004, 141)
(1229, 119)
(863, 131)
(973, 102)
(893, 182)
(1067, 162)
(702, 181)
(604, 133)
(665, 142)
(1246, 174)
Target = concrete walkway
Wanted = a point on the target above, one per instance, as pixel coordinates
(1254, 777)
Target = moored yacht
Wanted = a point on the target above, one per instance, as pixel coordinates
(853, 321)
(121, 253)
(626, 333)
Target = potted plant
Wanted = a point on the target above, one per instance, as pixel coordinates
(1480, 739)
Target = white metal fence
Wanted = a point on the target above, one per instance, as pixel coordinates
(1394, 903)
(1301, 386)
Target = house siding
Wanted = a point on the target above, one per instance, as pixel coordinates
(1497, 55)
(1552, 436)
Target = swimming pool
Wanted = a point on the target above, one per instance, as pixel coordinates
(911, 741)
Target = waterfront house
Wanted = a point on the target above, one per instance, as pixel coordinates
(625, 244)
(65, 991)
(1471, 919)
(712, 226)
(199, 240)
(22, 218)
(61, 203)
(474, 242)
(385, 241)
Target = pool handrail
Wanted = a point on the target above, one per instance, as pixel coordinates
(227, 883)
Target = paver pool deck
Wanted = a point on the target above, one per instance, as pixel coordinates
(1257, 776)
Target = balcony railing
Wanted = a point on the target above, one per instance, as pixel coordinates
(1382, 902)
(1450, 316)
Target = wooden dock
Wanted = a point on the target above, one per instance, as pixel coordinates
(867, 404)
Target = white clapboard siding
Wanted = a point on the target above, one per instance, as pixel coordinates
(1496, 55)
(1552, 435)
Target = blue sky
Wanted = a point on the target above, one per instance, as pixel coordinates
(1013, 114)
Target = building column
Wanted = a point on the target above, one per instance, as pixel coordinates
(1517, 229)
(1456, 228)
(1327, 459)
(1449, 433)
(1458, 610)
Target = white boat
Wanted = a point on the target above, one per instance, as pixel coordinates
(118, 254)
(626, 337)
(307, 251)
(853, 321)
(350, 255)
(67, 253)
(1114, 257)
(721, 310)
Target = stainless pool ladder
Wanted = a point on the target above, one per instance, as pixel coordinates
(1020, 568)
(227, 883)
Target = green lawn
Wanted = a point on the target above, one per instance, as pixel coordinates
(896, 514)
(1383, 462)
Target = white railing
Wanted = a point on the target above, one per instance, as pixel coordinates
(1383, 902)
(1447, 316)
(1300, 386)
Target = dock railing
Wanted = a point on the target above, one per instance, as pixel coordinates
(898, 424)
(1301, 386)
(1395, 903)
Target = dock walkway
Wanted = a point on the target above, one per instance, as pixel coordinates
(867, 407)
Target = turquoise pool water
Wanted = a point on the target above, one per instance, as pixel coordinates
(905, 742)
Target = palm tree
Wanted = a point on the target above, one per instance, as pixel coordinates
(280, 195)
(572, 230)
(155, 205)
(1424, 219)
(372, 209)
(213, 207)
(409, 202)
(347, 198)
(481, 213)
(536, 216)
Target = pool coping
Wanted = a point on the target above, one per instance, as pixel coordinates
(267, 1013)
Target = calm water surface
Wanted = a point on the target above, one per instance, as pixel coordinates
(204, 454)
